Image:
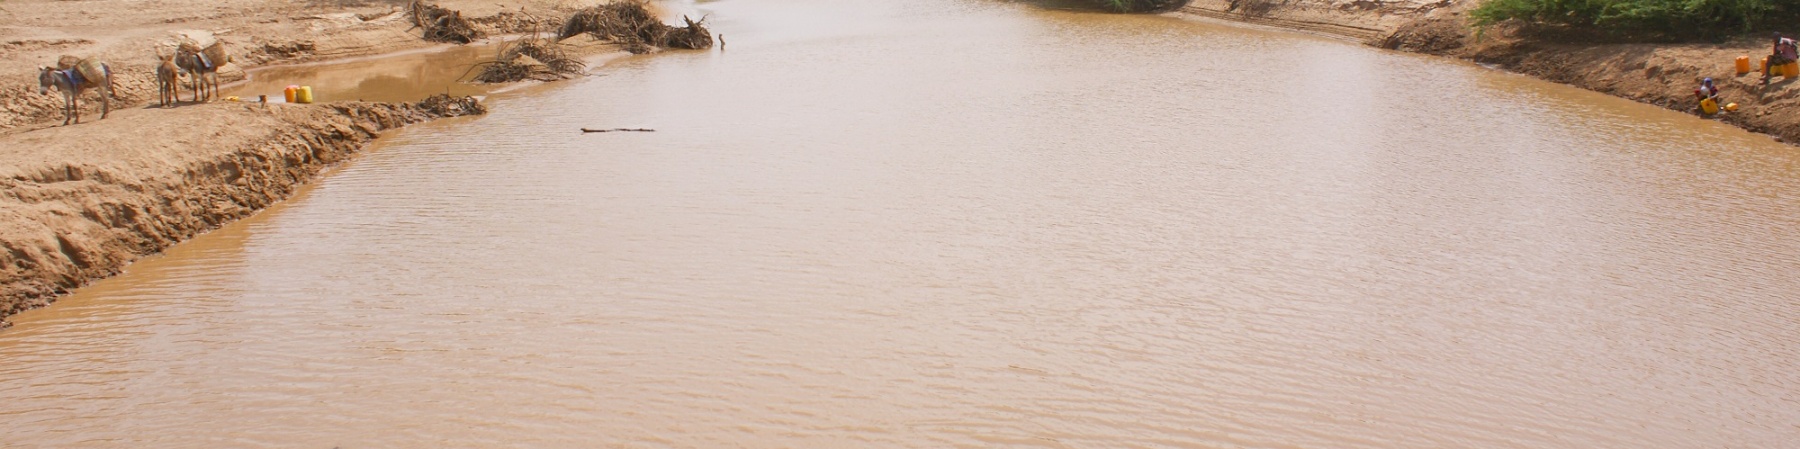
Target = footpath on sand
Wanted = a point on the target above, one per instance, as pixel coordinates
(1660, 74)
(78, 203)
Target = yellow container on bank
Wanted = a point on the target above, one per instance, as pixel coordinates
(1709, 106)
(1743, 65)
(305, 94)
(1790, 70)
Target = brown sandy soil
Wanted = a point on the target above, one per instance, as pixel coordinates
(1659, 74)
(127, 34)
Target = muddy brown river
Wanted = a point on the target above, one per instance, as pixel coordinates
(971, 223)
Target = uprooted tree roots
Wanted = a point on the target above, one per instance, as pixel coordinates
(530, 59)
(630, 23)
(442, 25)
(444, 105)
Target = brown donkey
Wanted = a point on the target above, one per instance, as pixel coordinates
(71, 82)
(167, 80)
(203, 64)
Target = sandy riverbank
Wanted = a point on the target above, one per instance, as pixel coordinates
(127, 34)
(1659, 74)
(78, 203)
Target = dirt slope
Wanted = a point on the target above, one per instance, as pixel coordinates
(77, 203)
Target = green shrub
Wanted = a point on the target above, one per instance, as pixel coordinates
(1671, 19)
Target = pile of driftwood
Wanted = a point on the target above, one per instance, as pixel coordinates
(444, 105)
(630, 23)
(530, 59)
(442, 25)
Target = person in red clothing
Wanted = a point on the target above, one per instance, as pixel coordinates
(1706, 90)
(1708, 95)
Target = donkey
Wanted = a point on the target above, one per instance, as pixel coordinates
(204, 68)
(168, 82)
(71, 83)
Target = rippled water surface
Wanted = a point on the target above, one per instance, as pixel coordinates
(969, 223)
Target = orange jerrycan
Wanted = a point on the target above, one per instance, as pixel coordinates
(1743, 65)
(1790, 70)
(290, 92)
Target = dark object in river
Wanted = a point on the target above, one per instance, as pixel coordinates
(630, 23)
(1142, 6)
(641, 130)
(441, 24)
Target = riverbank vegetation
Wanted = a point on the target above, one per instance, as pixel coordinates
(1649, 20)
(1142, 5)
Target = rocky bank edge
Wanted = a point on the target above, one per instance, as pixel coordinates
(1659, 74)
(77, 204)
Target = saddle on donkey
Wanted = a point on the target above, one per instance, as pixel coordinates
(82, 71)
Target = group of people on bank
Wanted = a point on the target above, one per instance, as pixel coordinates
(1785, 51)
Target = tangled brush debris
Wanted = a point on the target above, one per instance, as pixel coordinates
(550, 54)
(530, 59)
(444, 105)
(630, 23)
(442, 25)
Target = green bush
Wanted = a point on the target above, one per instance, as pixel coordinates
(1673, 19)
